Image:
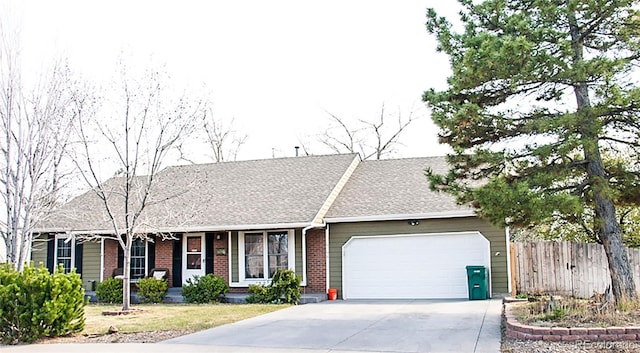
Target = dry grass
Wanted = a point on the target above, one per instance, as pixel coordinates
(172, 317)
(572, 312)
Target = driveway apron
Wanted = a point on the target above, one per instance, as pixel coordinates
(366, 325)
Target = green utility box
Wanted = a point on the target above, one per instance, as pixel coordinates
(477, 277)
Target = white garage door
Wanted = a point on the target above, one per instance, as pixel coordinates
(411, 266)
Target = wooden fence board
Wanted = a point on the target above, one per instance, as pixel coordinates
(566, 268)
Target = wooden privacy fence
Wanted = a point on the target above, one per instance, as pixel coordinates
(566, 268)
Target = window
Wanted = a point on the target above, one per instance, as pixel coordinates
(253, 253)
(64, 252)
(138, 259)
(263, 253)
(278, 251)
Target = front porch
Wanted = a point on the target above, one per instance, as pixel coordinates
(174, 295)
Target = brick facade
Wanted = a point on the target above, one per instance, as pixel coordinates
(164, 257)
(110, 257)
(221, 262)
(316, 261)
(164, 252)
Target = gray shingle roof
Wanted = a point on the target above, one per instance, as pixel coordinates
(393, 187)
(217, 195)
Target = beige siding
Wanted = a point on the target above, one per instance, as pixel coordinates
(39, 251)
(298, 254)
(235, 273)
(339, 233)
(90, 263)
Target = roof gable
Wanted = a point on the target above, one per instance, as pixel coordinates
(222, 195)
(394, 189)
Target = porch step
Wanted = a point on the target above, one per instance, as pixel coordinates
(174, 295)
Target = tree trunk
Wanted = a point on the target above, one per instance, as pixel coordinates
(126, 272)
(606, 222)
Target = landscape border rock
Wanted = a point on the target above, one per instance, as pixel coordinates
(514, 329)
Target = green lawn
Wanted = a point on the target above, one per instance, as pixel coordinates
(164, 317)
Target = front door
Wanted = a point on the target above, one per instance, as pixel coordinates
(193, 256)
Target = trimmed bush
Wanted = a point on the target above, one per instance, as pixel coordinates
(151, 290)
(205, 289)
(109, 291)
(36, 304)
(259, 294)
(284, 288)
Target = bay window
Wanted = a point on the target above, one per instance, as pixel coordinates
(262, 253)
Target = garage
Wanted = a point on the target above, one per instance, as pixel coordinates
(411, 266)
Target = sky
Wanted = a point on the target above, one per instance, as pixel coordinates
(275, 67)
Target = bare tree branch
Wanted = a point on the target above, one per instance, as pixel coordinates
(34, 138)
(149, 123)
(372, 139)
(225, 142)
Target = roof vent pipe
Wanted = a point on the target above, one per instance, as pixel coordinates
(297, 148)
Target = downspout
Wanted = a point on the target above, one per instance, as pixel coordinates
(326, 250)
(102, 260)
(304, 250)
(229, 258)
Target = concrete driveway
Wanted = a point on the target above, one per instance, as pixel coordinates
(366, 326)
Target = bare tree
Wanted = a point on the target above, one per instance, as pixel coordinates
(222, 138)
(34, 137)
(225, 142)
(145, 124)
(373, 140)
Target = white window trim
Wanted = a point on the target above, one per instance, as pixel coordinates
(241, 263)
(72, 241)
(146, 260)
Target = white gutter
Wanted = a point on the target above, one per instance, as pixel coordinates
(195, 229)
(399, 217)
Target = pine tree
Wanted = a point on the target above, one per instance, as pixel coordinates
(540, 92)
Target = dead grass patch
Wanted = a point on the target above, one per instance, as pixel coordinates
(171, 317)
(572, 312)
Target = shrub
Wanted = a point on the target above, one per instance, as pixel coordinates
(36, 304)
(152, 290)
(259, 294)
(109, 291)
(284, 288)
(205, 289)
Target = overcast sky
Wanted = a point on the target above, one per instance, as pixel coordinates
(273, 66)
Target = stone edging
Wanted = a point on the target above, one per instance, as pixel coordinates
(514, 329)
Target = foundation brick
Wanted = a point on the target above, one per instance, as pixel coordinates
(579, 331)
(627, 337)
(570, 338)
(589, 338)
(552, 338)
(616, 330)
(541, 331)
(533, 337)
(597, 331)
(608, 337)
(559, 331)
(632, 330)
